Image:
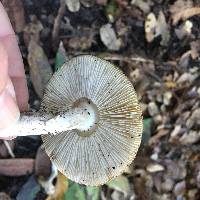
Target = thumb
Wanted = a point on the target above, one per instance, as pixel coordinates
(9, 112)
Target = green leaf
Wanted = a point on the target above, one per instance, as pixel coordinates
(60, 57)
(147, 126)
(92, 193)
(120, 184)
(74, 192)
(111, 8)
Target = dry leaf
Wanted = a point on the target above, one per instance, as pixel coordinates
(156, 138)
(190, 138)
(184, 30)
(163, 29)
(194, 119)
(80, 43)
(73, 5)
(32, 30)
(87, 3)
(182, 10)
(145, 6)
(187, 77)
(180, 188)
(109, 38)
(40, 69)
(195, 49)
(180, 5)
(155, 27)
(57, 24)
(102, 2)
(150, 27)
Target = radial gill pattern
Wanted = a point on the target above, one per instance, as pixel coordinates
(106, 153)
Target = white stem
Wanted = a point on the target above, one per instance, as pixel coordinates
(82, 117)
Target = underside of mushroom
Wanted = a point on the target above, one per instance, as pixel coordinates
(108, 133)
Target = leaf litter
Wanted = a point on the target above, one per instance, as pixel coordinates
(157, 46)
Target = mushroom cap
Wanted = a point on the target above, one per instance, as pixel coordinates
(106, 153)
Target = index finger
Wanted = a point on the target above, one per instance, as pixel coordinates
(15, 63)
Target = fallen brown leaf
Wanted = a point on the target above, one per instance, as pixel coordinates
(185, 14)
(182, 10)
(57, 22)
(40, 69)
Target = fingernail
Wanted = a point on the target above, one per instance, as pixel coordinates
(9, 112)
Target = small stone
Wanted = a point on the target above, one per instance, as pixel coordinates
(153, 109)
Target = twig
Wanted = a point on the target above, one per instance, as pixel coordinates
(57, 23)
(10, 151)
(16, 166)
(123, 58)
(115, 57)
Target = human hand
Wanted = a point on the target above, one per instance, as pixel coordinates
(13, 88)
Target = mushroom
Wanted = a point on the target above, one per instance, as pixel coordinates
(90, 121)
